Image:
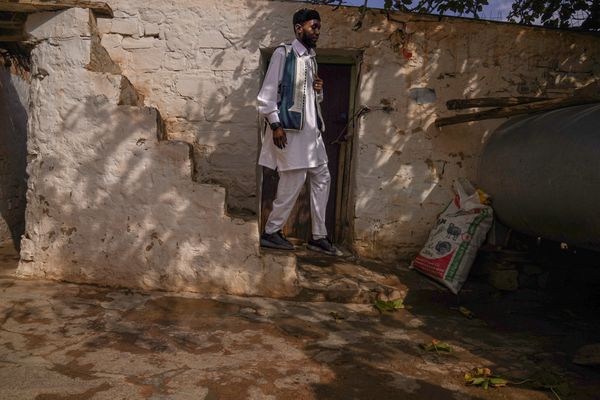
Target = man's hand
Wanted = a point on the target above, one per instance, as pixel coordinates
(279, 138)
(318, 84)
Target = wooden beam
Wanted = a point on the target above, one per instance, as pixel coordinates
(502, 112)
(31, 6)
(17, 25)
(12, 38)
(459, 104)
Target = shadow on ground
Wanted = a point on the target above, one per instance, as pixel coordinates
(65, 341)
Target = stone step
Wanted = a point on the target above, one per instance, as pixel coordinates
(343, 280)
(112, 200)
(243, 214)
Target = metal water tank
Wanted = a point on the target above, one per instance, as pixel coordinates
(543, 173)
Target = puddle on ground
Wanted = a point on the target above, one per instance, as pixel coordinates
(127, 342)
(184, 312)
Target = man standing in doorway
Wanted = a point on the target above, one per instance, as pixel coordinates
(290, 101)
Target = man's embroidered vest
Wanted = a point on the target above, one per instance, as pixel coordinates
(292, 91)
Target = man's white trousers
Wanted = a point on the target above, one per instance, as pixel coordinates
(288, 189)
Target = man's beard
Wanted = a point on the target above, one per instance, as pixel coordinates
(305, 39)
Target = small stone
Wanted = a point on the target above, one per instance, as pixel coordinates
(103, 25)
(387, 294)
(152, 15)
(415, 323)
(129, 43)
(70, 23)
(146, 60)
(151, 29)
(261, 312)
(588, 355)
(127, 27)
(62, 54)
(211, 40)
(123, 14)
(248, 311)
(396, 294)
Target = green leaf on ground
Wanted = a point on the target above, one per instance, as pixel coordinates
(483, 377)
(437, 346)
(498, 382)
(391, 305)
(477, 381)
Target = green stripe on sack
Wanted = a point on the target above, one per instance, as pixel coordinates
(465, 245)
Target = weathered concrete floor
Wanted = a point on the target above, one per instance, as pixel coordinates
(64, 341)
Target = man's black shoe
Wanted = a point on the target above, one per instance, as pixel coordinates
(275, 240)
(323, 245)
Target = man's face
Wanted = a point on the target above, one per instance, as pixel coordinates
(308, 32)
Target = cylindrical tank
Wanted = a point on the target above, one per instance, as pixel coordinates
(543, 173)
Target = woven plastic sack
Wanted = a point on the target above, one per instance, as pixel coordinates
(459, 231)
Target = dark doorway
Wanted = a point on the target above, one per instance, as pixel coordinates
(335, 108)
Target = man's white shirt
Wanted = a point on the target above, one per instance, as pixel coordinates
(305, 148)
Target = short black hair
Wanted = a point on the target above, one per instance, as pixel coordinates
(305, 14)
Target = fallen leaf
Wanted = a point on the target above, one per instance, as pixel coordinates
(437, 346)
(483, 377)
(466, 312)
(391, 305)
(498, 382)
(477, 381)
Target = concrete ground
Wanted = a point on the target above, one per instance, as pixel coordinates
(68, 342)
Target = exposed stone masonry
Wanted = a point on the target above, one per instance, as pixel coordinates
(200, 65)
(109, 201)
(111, 197)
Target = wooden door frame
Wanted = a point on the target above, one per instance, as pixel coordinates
(344, 218)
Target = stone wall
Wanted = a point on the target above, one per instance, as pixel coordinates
(199, 64)
(14, 99)
(109, 200)
(190, 63)
(406, 166)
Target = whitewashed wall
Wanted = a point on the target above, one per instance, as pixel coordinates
(109, 201)
(198, 63)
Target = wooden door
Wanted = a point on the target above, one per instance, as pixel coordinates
(335, 106)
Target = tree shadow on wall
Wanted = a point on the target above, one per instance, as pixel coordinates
(132, 213)
(123, 209)
(400, 157)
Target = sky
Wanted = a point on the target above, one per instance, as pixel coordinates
(497, 9)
